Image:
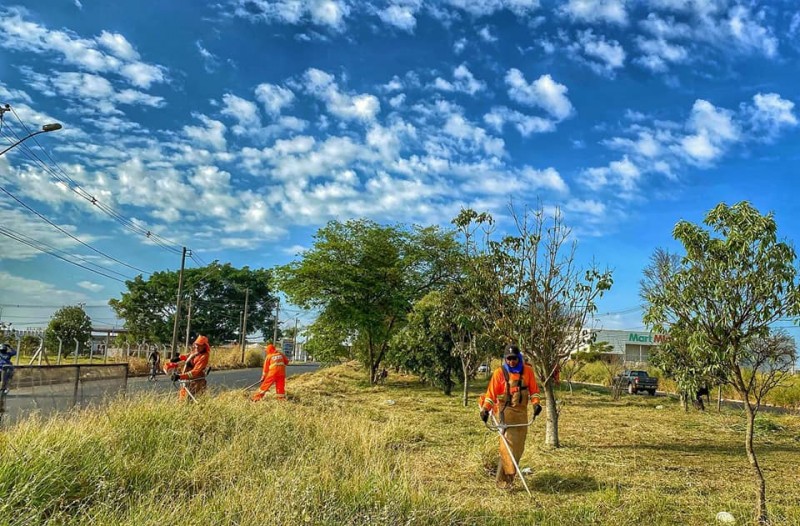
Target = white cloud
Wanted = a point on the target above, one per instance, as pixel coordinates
(118, 45)
(609, 53)
(547, 179)
(658, 54)
(330, 14)
(274, 98)
(468, 134)
(594, 11)
(544, 92)
(244, 111)
(769, 115)
(210, 60)
(400, 16)
(713, 129)
(212, 134)
(90, 90)
(525, 124)
(486, 35)
(463, 81)
(488, 7)
(349, 107)
(90, 286)
(18, 34)
(459, 45)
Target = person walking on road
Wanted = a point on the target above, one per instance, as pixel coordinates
(6, 367)
(274, 373)
(154, 359)
(511, 389)
(195, 369)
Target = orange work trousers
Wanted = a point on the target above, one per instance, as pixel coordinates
(196, 388)
(280, 387)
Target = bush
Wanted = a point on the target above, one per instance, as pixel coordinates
(254, 358)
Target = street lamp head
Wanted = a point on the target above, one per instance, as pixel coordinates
(51, 127)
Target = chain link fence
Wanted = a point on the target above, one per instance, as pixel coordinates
(49, 389)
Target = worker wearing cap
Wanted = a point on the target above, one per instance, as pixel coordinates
(274, 372)
(511, 389)
(195, 368)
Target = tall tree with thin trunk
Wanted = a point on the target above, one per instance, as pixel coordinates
(735, 281)
(544, 297)
(364, 279)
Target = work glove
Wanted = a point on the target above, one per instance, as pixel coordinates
(536, 410)
(484, 415)
(175, 377)
(175, 359)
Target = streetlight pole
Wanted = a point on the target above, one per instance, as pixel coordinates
(46, 128)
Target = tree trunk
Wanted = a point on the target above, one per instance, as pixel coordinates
(551, 424)
(684, 401)
(761, 487)
(465, 398)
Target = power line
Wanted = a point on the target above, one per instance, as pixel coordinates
(90, 247)
(36, 245)
(72, 185)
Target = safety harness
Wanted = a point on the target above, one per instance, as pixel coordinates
(513, 395)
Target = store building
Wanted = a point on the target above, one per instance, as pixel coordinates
(629, 346)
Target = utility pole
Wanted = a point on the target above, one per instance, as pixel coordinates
(188, 323)
(244, 322)
(277, 318)
(178, 306)
(294, 342)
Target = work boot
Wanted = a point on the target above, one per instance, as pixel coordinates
(256, 397)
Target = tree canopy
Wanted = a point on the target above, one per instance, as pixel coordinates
(69, 323)
(719, 303)
(217, 295)
(364, 278)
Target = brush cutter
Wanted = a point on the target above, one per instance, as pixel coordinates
(501, 430)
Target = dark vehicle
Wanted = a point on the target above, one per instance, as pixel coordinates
(636, 381)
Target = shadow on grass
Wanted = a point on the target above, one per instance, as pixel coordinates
(694, 448)
(548, 482)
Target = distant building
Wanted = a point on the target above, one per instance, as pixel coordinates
(628, 346)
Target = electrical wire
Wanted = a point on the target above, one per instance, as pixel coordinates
(63, 231)
(37, 245)
(72, 185)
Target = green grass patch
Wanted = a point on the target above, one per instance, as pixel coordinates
(342, 452)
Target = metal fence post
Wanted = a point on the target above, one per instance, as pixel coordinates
(77, 344)
(77, 381)
(19, 345)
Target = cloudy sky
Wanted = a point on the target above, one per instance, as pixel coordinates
(239, 127)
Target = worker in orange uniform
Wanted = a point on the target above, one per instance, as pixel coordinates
(511, 389)
(274, 373)
(195, 369)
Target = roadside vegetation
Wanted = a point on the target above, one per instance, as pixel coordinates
(344, 452)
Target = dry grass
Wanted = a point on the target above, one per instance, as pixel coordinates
(342, 452)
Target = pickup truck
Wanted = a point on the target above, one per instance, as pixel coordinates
(635, 381)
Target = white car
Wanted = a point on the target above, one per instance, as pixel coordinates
(483, 368)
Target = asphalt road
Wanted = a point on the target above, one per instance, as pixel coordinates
(217, 380)
(54, 398)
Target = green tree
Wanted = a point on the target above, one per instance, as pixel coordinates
(69, 324)
(544, 297)
(424, 345)
(217, 295)
(735, 281)
(364, 279)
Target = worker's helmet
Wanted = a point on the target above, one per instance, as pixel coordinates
(202, 342)
(269, 348)
(512, 350)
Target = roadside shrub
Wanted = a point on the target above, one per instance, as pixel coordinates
(593, 373)
(254, 358)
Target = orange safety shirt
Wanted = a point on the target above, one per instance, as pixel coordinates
(275, 363)
(496, 391)
(195, 366)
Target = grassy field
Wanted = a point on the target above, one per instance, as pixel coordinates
(341, 452)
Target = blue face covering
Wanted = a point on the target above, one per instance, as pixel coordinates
(516, 369)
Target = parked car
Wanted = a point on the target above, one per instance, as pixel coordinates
(636, 381)
(483, 368)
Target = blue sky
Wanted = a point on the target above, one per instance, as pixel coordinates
(239, 127)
